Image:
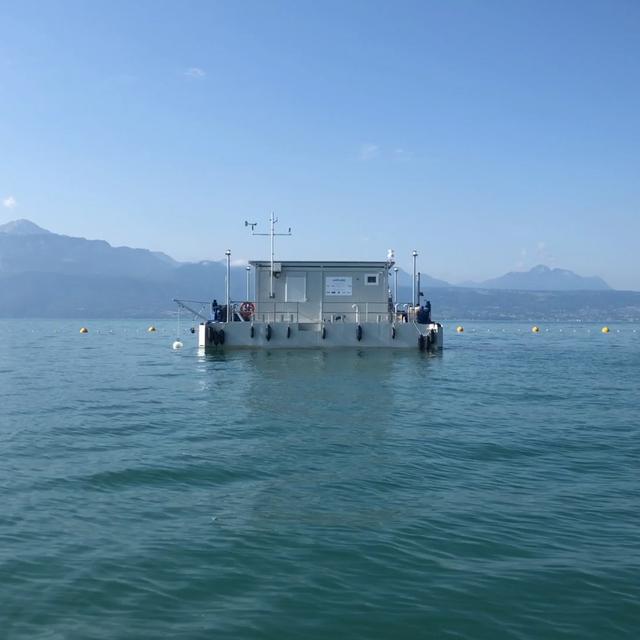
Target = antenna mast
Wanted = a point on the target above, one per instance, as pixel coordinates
(272, 234)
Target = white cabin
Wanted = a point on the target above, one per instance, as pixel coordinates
(315, 291)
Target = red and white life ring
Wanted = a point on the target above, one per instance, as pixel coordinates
(247, 309)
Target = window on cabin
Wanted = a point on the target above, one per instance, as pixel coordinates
(296, 287)
(371, 279)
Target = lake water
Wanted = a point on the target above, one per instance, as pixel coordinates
(489, 492)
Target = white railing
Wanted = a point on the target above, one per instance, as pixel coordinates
(352, 312)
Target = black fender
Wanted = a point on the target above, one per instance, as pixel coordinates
(221, 336)
(359, 333)
(268, 332)
(393, 333)
(324, 332)
(422, 342)
(252, 332)
(216, 338)
(288, 332)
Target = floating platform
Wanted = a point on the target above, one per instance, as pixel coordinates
(318, 304)
(313, 335)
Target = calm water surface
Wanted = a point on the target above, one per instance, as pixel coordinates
(490, 492)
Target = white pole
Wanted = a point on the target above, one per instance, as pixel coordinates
(413, 294)
(395, 285)
(273, 224)
(248, 284)
(228, 254)
(272, 237)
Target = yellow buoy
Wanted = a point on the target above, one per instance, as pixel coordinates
(460, 329)
(151, 329)
(605, 329)
(84, 330)
(535, 329)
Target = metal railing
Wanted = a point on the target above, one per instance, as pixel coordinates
(405, 312)
(356, 312)
(352, 312)
(274, 312)
(271, 311)
(207, 312)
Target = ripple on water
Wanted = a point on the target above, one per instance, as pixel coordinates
(490, 492)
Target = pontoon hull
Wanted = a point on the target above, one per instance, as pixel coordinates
(282, 335)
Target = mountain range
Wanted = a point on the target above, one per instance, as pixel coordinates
(44, 274)
(47, 274)
(542, 278)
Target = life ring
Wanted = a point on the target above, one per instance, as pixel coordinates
(268, 333)
(247, 309)
(359, 333)
(221, 336)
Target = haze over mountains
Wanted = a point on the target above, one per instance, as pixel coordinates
(44, 274)
(542, 278)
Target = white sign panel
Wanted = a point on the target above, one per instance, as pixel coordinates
(338, 286)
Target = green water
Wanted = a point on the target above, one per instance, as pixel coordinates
(489, 492)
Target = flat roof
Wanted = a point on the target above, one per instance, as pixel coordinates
(336, 264)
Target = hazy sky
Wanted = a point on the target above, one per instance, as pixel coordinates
(490, 136)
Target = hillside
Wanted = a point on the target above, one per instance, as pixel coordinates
(48, 274)
(44, 274)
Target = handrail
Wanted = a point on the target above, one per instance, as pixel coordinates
(331, 311)
(268, 311)
(186, 304)
(272, 311)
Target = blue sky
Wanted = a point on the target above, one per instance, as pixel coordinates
(490, 136)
